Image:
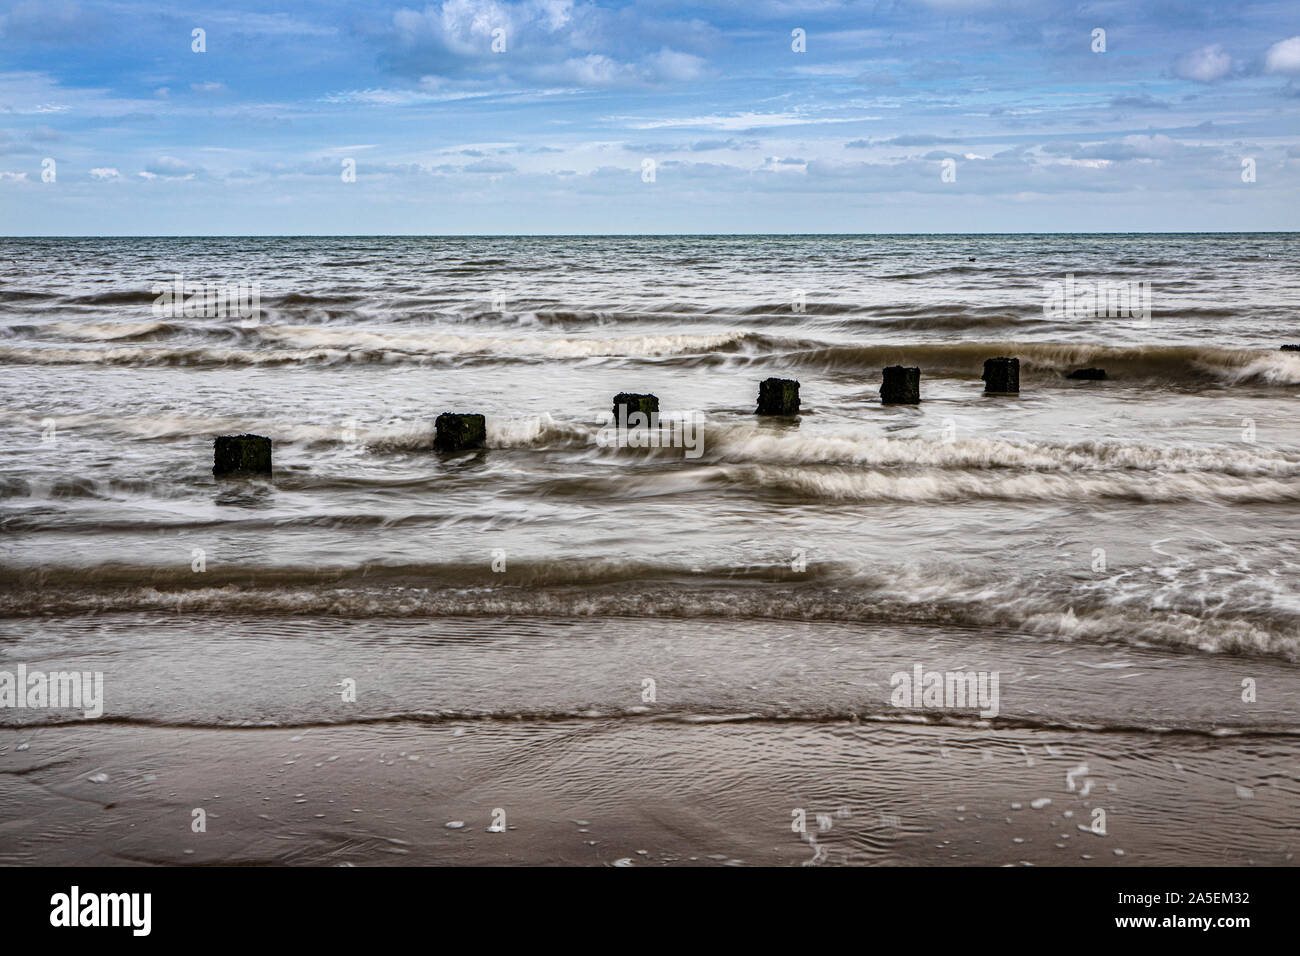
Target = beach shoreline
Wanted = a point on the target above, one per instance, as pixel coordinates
(386, 794)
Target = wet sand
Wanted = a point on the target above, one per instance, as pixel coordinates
(548, 721)
(600, 792)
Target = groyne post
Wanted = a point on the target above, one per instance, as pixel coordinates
(236, 455)
(627, 404)
(778, 396)
(458, 431)
(1001, 376)
(900, 385)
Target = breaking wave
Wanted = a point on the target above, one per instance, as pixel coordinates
(1107, 609)
(937, 485)
(1177, 364)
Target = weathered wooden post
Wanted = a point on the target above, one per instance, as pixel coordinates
(237, 455)
(778, 396)
(1001, 376)
(627, 404)
(458, 431)
(900, 385)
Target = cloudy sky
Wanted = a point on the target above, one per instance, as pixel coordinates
(563, 116)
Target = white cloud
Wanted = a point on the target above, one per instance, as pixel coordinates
(169, 167)
(1205, 65)
(594, 69)
(462, 26)
(406, 97)
(597, 69)
(674, 66)
(1155, 146)
(34, 93)
(489, 166)
(1283, 57)
(379, 97)
(465, 26)
(738, 121)
(269, 24)
(103, 173)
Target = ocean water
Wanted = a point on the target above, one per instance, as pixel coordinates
(1124, 553)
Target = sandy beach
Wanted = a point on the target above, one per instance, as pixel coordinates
(591, 792)
(756, 726)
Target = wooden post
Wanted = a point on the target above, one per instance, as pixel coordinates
(240, 455)
(778, 396)
(457, 431)
(627, 404)
(900, 385)
(1001, 376)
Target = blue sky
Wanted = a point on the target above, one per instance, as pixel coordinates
(553, 133)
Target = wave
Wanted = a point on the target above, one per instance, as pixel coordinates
(790, 485)
(302, 345)
(404, 316)
(1176, 365)
(141, 296)
(1150, 610)
(111, 331)
(406, 312)
(959, 270)
(444, 343)
(749, 443)
(944, 320)
(290, 299)
(660, 714)
(23, 296)
(924, 486)
(144, 296)
(724, 441)
(1179, 364)
(188, 357)
(397, 435)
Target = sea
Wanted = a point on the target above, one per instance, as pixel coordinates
(696, 651)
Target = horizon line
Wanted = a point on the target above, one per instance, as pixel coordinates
(639, 235)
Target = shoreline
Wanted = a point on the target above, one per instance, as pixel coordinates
(599, 792)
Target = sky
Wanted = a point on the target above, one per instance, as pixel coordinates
(567, 117)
